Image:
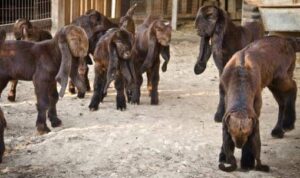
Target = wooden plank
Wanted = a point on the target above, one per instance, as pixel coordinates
(274, 3)
(118, 8)
(75, 9)
(67, 11)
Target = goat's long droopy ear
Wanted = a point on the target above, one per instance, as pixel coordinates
(219, 33)
(165, 53)
(66, 62)
(112, 65)
(204, 55)
(72, 42)
(152, 48)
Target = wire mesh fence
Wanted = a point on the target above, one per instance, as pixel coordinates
(37, 11)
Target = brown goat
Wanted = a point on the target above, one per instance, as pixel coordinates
(2, 127)
(152, 37)
(113, 62)
(46, 63)
(226, 38)
(95, 24)
(24, 30)
(268, 62)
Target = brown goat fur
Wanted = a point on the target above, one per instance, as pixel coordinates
(112, 58)
(95, 24)
(24, 30)
(226, 38)
(268, 62)
(46, 63)
(2, 127)
(151, 39)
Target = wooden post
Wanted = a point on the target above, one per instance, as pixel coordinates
(67, 12)
(174, 14)
(57, 14)
(75, 9)
(113, 8)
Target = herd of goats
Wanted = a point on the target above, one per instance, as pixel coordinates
(247, 62)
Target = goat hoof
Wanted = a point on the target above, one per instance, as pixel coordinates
(288, 126)
(154, 102)
(55, 122)
(121, 103)
(80, 95)
(263, 168)
(42, 129)
(154, 98)
(218, 117)
(277, 133)
(11, 98)
(88, 88)
(72, 90)
(227, 169)
(93, 108)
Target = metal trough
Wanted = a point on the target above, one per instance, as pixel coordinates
(279, 15)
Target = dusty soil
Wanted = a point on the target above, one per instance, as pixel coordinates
(177, 138)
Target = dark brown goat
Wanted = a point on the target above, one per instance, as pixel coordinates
(24, 30)
(113, 62)
(152, 37)
(268, 62)
(2, 127)
(46, 63)
(226, 38)
(95, 24)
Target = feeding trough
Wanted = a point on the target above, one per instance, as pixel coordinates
(279, 16)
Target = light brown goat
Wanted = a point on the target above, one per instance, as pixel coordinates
(268, 62)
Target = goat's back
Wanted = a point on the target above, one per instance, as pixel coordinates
(273, 57)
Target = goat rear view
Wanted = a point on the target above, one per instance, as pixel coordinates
(45, 63)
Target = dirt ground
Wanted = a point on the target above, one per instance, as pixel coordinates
(177, 138)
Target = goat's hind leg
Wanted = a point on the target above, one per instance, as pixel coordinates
(285, 92)
(99, 85)
(12, 92)
(3, 83)
(41, 91)
(120, 87)
(52, 113)
(290, 109)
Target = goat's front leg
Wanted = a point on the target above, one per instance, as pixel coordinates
(227, 153)
(154, 83)
(52, 114)
(12, 92)
(256, 149)
(41, 91)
